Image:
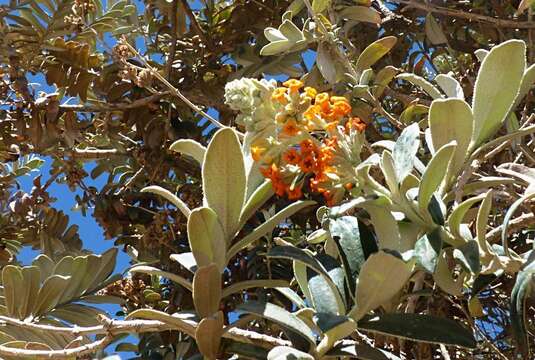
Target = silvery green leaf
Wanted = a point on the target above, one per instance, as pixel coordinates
(374, 52)
(433, 31)
(427, 250)
(425, 85)
(224, 180)
(404, 152)
(497, 86)
(361, 13)
(325, 63)
(451, 87)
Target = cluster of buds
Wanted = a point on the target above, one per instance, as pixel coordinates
(316, 144)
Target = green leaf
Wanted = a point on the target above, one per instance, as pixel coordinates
(468, 256)
(207, 290)
(360, 351)
(256, 200)
(404, 152)
(521, 291)
(249, 284)
(433, 31)
(451, 120)
(208, 335)
(224, 180)
(482, 221)
(427, 250)
(268, 226)
(50, 293)
(280, 316)
(334, 328)
(451, 87)
(374, 52)
(325, 63)
(361, 13)
(325, 298)
(458, 213)
(184, 322)
(345, 232)
(206, 239)
(523, 6)
(425, 85)
(319, 6)
(497, 85)
(144, 269)
(12, 278)
(381, 277)
(435, 175)
(507, 219)
(331, 293)
(169, 196)
(421, 328)
(292, 296)
(287, 353)
(189, 147)
(527, 82)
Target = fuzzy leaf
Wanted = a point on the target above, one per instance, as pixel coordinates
(497, 86)
(422, 328)
(404, 152)
(374, 52)
(189, 147)
(280, 316)
(381, 277)
(427, 250)
(224, 180)
(206, 239)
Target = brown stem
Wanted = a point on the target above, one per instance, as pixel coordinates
(468, 16)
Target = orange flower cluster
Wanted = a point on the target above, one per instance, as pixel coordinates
(310, 161)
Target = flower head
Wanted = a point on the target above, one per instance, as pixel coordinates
(293, 85)
(291, 128)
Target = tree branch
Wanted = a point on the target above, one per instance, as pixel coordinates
(468, 16)
(114, 107)
(111, 328)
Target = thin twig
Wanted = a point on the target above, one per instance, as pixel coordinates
(174, 91)
(468, 16)
(114, 107)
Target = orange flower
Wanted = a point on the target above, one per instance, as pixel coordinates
(291, 128)
(291, 157)
(279, 187)
(341, 108)
(295, 194)
(257, 152)
(331, 126)
(310, 92)
(312, 112)
(307, 146)
(308, 163)
(355, 123)
(271, 172)
(294, 85)
(349, 186)
(331, 142)
(315, 185)
(279, 95)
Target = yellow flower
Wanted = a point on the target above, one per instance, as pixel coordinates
(310, 92)
(257, 152)
(294, 85)
(279, 95)
(311, 112)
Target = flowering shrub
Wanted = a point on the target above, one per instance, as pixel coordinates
(313, 140)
